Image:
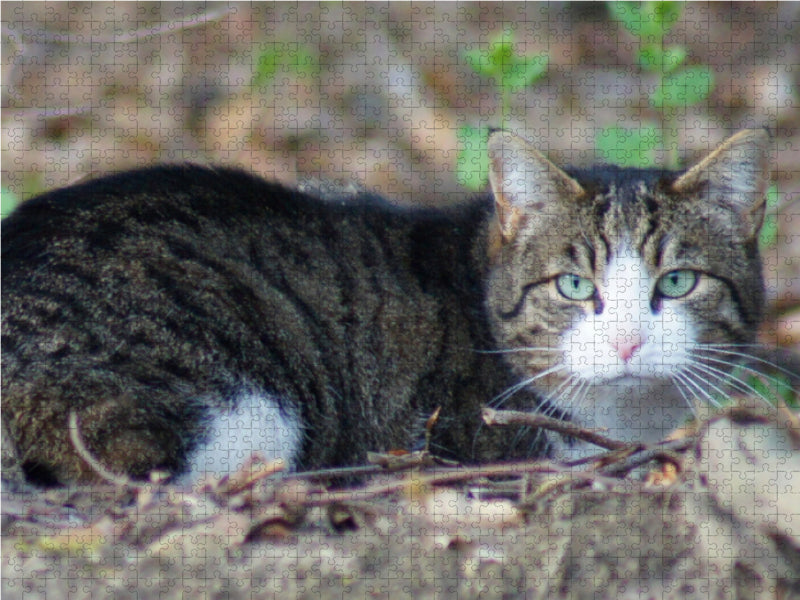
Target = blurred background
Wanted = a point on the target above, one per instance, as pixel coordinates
(398, 96)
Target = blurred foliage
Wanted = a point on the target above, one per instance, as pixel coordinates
(768, 236)
(510, 73)
(679, 85)
(629, 147)
(284, 58)
(8, 201)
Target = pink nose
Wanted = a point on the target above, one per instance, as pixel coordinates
(627, 346)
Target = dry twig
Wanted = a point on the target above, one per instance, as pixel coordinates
(513, 417)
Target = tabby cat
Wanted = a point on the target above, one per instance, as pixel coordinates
(188, 316)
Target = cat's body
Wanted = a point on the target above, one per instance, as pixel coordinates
(153, 303)
(201, 289)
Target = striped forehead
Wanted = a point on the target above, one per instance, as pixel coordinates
(625, 216)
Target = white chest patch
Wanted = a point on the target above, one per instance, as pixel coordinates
(623, 361)
(256, 425)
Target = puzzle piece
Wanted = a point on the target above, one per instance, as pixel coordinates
(384, 95)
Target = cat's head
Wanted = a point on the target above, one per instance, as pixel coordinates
(611, 275)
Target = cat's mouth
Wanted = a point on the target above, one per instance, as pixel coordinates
(631, 380)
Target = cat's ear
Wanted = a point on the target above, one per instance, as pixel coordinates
(522, 181)
(735, 175)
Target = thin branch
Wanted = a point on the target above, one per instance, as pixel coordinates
(666, 451)
(513, 417)
(125, 38)
(448, 476)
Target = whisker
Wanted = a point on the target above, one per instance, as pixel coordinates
(498, 400)
(775, 381)
(506, 394)
(722, 377)
(679, 386)
(554, 399)
(522, 349)
(722, 345)
(580, 396)
(501, 398)
(688, 377)
(689, 386)
(733, 380)
(569, 383)
(717, 348)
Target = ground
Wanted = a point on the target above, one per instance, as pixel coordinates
(717, 519)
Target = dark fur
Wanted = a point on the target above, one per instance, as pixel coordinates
(130, 298)
(146, 300)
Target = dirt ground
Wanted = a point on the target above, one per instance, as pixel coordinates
(96, 87)
(717, 519)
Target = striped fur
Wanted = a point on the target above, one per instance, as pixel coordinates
(147, 300)
(624, 231)
(159, 304)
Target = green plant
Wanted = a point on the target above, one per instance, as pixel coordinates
(769, 230)
(680, 85)
(8, 201)
(284, 58)
(776, 388)
(511, 73)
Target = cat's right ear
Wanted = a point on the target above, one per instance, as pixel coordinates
(523, 181)
(735, 175)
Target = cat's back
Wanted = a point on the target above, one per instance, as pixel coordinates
(174, 221)
(176, 194)
(183, 244)
(164, 201)
(142, 301)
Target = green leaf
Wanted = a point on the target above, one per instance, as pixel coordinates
(649, 21)
(652, 57)
(8, 202)
(525, 71)
(673, 57)
(304, 62)
(501, 50)
(774, 387)
(764, 390)
(629, 147)
(285, 57)
(627, 14)
(268, 63)
(683, 88)
(665, 14)
(472, 170)
(479, 61)
(768, 236)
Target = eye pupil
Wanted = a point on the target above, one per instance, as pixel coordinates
(677, 284)
(574, 287)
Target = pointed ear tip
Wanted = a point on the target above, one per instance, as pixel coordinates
(503, 139)
(497, 135)
(494, 136)
(760, 136)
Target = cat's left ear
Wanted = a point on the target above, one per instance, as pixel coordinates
(523, 182)
(735, 175)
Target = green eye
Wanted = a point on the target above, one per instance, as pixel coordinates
(677, 284)
(574, 287)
